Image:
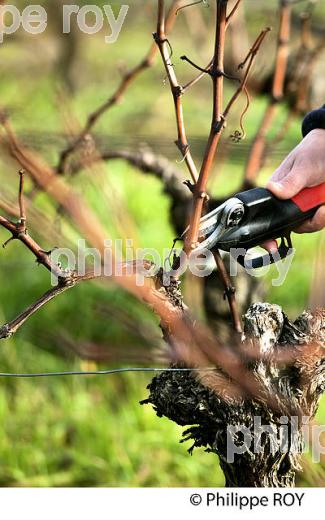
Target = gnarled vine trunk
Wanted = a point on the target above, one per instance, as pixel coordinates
(291, 365)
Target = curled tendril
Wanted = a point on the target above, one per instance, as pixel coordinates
(171, 51)
(204, 2)
(165, 40)
(238, 136)
(168, 265)
(184, 156)
(169, 62)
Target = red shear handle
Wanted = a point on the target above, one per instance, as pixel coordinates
(310, 198)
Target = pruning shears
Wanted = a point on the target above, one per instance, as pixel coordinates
(251, 217)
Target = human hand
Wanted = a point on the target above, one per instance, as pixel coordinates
(303, 168)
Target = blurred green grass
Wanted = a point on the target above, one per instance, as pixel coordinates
(92, 431)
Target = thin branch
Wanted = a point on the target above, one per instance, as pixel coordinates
(230, 292)
(249, 60)
(306, 32)
(283, 50)
(279, 136)
(176, 89)
(42, 257)
(197, 79)
(303, 82)
(19, 232)
(302, 67)
(208, 69)
(254, 49)
(191, 5)
(233, 11)
(258, 148)
(219, 119)
(127, 79)
(204, 71)
(217, 125)
(10, 328)
(21, 201)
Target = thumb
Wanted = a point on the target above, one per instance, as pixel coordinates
(288, 186)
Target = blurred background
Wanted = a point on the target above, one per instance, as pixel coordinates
(92, 431)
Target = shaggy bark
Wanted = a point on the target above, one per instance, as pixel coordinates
(290, 363)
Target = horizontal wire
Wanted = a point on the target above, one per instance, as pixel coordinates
(104, 372)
